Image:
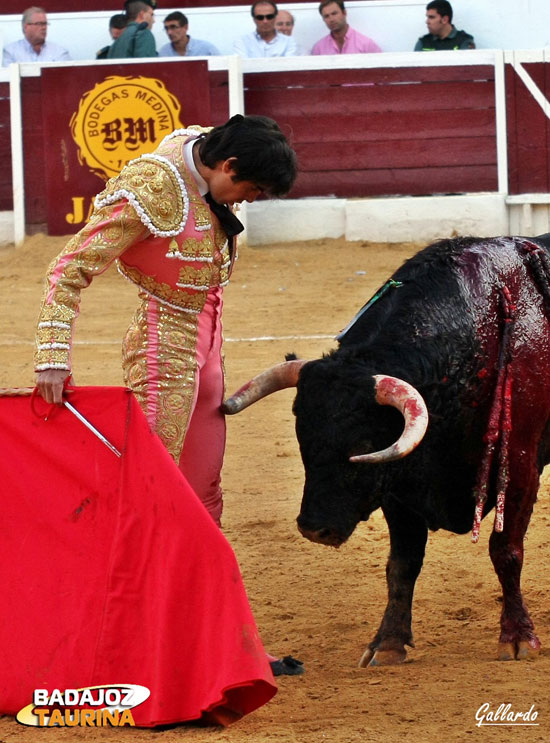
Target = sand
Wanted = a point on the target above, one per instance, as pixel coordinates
(319, 604)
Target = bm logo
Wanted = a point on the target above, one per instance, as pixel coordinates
(120, 119)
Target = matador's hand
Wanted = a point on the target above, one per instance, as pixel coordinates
(50, 384)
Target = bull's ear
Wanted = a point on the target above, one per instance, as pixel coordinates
(403, 396)
(277, 378)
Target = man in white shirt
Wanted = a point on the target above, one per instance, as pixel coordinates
(34, 47)
(265, 41)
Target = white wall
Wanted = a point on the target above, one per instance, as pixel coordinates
(394, 24)
(391, 220)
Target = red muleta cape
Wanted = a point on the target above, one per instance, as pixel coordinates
(113, 571)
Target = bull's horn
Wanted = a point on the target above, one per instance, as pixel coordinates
(279, 377)
(404, 397)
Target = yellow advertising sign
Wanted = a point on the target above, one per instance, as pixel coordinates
(120, 119)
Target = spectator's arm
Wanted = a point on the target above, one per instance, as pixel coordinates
(7, 58)
(239, 48)
(145, 44)
(468, 43)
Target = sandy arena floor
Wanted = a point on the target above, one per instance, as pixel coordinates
(319, 604)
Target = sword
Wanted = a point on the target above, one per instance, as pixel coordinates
(93, 429)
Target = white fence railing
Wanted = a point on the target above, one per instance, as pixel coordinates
(237, 67)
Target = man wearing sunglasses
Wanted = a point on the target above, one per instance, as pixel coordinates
(265, 41)
(33, 47)
(181, 44)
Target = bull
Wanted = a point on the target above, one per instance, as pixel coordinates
(435, 407)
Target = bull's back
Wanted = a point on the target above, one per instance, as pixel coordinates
(452, 295)
(458, 312)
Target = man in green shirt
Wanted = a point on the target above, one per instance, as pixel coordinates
(442, 34)
(136, 39)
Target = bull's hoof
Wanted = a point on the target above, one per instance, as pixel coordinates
(526, 650)
(382, 658)
(506, 651)
(521, 650)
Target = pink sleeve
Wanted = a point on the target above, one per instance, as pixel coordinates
(111, 230)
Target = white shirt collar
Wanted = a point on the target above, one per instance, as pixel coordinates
(273, 40)
(189, 161)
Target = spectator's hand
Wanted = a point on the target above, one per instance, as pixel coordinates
(50, 384)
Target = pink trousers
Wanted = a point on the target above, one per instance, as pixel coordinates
(201, 458)
(172, 361)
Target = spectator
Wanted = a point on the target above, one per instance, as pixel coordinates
(284, 22)
(266, 41)
(442, 34)
(136, 40)
(117, 24)
(181, 44)
(151, 3)
(342, 39)
(34, 47)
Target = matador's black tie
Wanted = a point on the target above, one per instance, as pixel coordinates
(231, 225)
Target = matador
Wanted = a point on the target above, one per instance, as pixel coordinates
(154, 220)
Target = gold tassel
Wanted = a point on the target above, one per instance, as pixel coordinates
(173, 248)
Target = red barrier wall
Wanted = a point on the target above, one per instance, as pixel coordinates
(6, 197)
(528, 131)
(97, 118)
(35, 145)
(375, 132)
(368, 132)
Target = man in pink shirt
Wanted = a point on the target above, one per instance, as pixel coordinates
(342, 39)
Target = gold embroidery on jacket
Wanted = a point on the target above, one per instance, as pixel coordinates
(157, 190)
(176, 297)
(53, 334)
(102, 248)
(197, 277)
(173, 150)
(190, 248)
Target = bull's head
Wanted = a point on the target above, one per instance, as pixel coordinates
(340, 427)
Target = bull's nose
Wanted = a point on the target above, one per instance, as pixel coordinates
(321, 536)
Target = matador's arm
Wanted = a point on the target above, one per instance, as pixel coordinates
(111, 230)
(148, 196)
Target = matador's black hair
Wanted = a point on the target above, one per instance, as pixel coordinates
(263, 155)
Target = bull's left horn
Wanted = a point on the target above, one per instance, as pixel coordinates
(279, 377)
(403, 396)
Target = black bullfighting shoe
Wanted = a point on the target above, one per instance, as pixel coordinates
(287, 666)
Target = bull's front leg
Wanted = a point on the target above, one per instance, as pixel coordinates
(408, 536)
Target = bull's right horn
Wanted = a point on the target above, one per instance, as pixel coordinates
(408, 400)
(279, 377)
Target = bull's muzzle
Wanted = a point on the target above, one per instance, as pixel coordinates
(327, 536)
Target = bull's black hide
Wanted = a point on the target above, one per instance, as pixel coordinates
(466, 322)
(443, 330)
